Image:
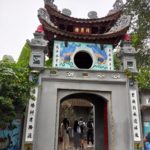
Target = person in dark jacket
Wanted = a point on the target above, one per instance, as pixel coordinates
(90, 132)
(77, 132)
(82, 127)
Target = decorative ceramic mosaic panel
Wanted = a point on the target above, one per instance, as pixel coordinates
(63, 56)
(10, 136)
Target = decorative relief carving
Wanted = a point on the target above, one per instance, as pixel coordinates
(69, 74)
(101, 75)
(116, 76)
(53, 72)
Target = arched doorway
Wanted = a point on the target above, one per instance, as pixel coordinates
(88, 106)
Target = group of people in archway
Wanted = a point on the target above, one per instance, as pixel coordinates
(81, 133)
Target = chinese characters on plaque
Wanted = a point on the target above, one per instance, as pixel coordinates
(31, 117)
(109, 51)
(56, 55)
(135, 115)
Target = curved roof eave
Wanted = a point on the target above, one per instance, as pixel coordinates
(56, 31)
(58, 15)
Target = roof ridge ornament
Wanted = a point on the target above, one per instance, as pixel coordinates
(118, 5)
(92, 14)
(51, 3)
(43, 14)
(66, 12)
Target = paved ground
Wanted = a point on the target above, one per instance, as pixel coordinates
(86, 147)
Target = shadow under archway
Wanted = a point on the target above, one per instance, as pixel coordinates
(100, 115)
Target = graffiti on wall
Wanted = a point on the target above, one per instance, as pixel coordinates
(147, 135)
(10, 136)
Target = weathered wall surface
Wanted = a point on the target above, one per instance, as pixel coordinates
(57, 84)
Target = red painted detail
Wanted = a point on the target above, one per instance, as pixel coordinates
(127, 37)
(105, 126)
(40, 29)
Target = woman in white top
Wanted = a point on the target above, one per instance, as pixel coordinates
(65, 134)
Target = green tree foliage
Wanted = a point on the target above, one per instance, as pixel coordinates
(24, 56)
(142, 59)
(8, 58)
(140, 29)
(117, 61)
(143, 77)
(14, 90)
(140, 32)
(48, 63)
(140, 12)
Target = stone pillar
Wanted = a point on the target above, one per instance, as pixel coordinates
(127, 55)
(38, 49)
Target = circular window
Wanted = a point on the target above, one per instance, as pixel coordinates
(83, 60)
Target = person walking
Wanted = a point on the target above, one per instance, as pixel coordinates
(90, 132)
(82, 127)
(65, 134)
(77, 131)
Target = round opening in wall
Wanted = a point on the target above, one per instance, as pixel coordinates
(83, 60)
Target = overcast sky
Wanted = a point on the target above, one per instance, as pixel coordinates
(18, 19)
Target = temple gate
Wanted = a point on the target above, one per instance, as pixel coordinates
(82, 76)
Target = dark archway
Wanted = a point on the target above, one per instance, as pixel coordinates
(100, 117)
(83, 60)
